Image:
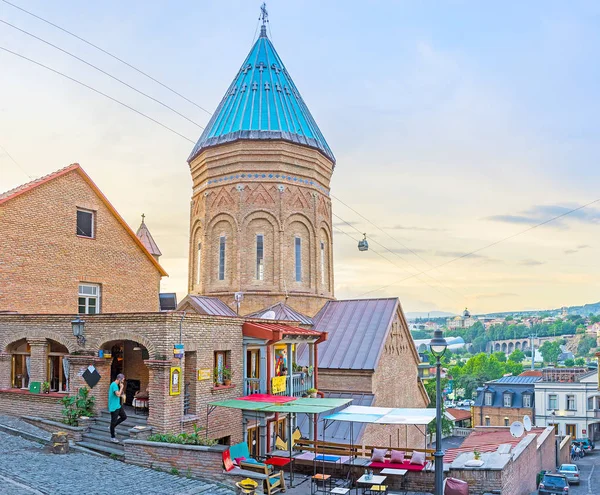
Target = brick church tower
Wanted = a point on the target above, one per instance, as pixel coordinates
(261, 213)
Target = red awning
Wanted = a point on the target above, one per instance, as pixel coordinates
(275, 399)
(275, 332)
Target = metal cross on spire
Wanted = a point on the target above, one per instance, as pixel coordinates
(264, 17)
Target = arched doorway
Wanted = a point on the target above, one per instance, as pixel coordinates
(58, 367)
(20, 352)
(127, 357)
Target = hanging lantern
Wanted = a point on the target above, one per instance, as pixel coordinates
(363, 245)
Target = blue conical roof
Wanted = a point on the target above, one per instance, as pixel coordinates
(262, 103)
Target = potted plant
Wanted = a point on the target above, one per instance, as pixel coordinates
(476, 455)
(46, 387)
(227, 373)
(312, 392)
(217, 376)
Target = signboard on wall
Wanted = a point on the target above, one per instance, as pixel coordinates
(278, 384)
(204, 374)
(175, 381)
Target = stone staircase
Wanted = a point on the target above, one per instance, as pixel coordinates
(98, 438)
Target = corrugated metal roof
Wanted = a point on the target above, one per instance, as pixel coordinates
(357, 330)
(283, 312)
(208, 305)
(284, 329)
(524, 380)
(338, 431)
(263, 102)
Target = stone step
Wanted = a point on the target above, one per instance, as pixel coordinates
(114, 448)
(103, 430)
(128, 423)
(100, 440)
(131, 418)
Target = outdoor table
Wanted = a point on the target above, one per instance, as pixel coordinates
(329, 459)
(373, 480)
(281, 462)
(395, 472)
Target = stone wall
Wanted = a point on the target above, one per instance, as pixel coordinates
(39, 243)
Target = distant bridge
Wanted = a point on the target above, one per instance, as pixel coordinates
(507, 346)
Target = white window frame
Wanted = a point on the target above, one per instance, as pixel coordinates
(488, 399)
(260, 257)
(507, 400)
(550, 398)
(528, 398)
(93, 214)
(88, 296)
(571, 397)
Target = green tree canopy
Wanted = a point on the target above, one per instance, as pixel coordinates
(517, 356)
(569, 363)
(550, 351)
(500, 356)
(579, 362)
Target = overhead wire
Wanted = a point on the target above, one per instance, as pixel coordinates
(15, 161)
(102, 71)
(97, 91)
(487, 246)
(106, 52)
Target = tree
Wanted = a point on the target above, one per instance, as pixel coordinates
(579, 362)
(513, 368)
(585, 345)
(517, 356)
(500, 356)
(569, 363)
(550, 351)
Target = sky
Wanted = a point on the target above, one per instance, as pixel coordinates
(455, 124)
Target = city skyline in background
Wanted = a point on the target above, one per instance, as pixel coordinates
(454, 126)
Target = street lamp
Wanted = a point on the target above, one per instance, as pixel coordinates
(438, 346)
(78, 326)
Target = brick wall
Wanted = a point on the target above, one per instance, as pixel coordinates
(38, 243)
(202, 336)
(26, 404)
(497, 415)
(242, 200)
(346, 380)
(199, 461)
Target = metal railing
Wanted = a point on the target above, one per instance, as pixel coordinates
(186, 399)
(300, 383)
(252, 386)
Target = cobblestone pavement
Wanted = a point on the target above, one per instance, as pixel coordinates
(21, 425)
(28, 468)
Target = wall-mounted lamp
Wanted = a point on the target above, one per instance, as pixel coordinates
(78, 326)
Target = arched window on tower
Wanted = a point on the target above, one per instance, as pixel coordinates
(222, 242)
(298, 258)
(260, 257)
(322, 263)
(198, 261)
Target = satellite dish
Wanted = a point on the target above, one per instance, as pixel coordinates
(527, 423)
(269, 315)
(517, 429)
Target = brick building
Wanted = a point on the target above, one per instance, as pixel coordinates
(65, 249)
(504, 401)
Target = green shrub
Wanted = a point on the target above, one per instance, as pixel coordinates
(184, 438)
(174, 471)
(74, 406)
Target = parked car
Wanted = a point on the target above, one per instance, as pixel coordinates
(571, 472)
(553, 484)
(586, 444)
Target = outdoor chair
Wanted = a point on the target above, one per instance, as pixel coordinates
(273, 482)
(281, 445)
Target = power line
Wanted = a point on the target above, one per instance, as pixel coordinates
(401, 257)
(495, 243)
(97, 91)
(109, 54)
(15, 161)
(102, 71)
(387, 259)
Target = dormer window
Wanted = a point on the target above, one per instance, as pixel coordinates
(489, 398)
(85, 223)
(507, 399)
(526, 399)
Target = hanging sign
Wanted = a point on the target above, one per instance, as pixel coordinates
(204, 374)
(175, 381)
(278, 384)
(178, 351)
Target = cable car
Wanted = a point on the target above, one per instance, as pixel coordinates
(363, 245)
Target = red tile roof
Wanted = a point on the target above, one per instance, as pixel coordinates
(459, 414)
(12, 193)
(486, 441)
(531, 373)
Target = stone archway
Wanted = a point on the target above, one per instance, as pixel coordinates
(70, 344)
(497, 347)
(125, 335)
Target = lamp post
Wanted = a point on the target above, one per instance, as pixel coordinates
(438, 346)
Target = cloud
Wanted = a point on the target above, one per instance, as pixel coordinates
(583, 246)
(344, 224)
(541, 213)
(458, 254)
(531, 262)
(571, 251)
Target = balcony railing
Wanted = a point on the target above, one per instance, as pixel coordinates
(300, 383)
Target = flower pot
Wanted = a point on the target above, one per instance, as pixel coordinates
(313, 396)
(226, 382)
